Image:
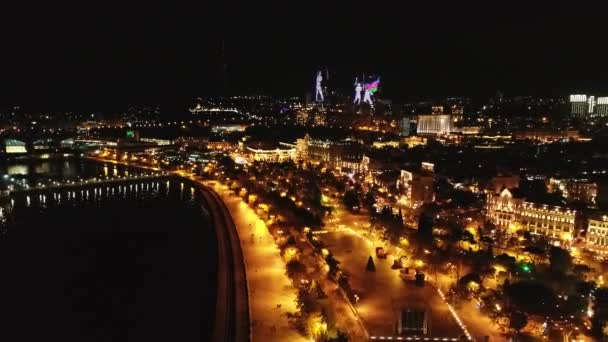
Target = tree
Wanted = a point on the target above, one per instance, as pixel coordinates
(468, 284)
(341, 336)
(600, 319)
(535, 251)
(531, 297)
(370, 265)
(560, 259)
(425, 228)
(305, 302)
(315, 194)
(332, 263)
(581, 269)
(517, 321)
(482, 264)
(351, 199)
(505, 260)
(370, 201)
(295, 269)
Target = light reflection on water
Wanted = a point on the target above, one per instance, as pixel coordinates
(44, 172)
(34, 171)
(133, 190)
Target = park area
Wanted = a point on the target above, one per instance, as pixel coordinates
(384, 293)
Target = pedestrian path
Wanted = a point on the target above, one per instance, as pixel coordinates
(271, 293)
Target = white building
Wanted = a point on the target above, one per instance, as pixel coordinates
(511, 210)
(435, 124)
(601, 106)
(578, 104)
(597, 234)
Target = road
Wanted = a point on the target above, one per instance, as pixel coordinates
(232, 306)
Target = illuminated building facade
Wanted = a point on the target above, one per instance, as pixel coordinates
(601, 107)
(435, 124)
(302, 148)
(597, 233)
(469, 130)
(12, 146)
(404, 127)
(509, 209)
(437, 110)
(383, 144)
(591, 105)
(546, 135)
(578, 104)
(416, 189)
(457, 112)
(275, 155)
(574, 189)
(414, 141)
(556, 222)
(345, 155)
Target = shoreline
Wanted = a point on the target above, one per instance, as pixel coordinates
(236, 279)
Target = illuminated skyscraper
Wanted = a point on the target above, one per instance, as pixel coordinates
(578, 104)
(404, 127)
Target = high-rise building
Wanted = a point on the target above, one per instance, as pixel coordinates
(597, 233)
(457, 112)
(404, 127)
(578, 104)
(435, 124)
(590, 105)
(437, 110)
(574, 189)
(416, 188)
(601, 107)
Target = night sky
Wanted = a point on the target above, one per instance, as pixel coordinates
(98, 56)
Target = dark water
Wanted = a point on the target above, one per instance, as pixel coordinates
(126, 263)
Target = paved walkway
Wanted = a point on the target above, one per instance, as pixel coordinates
(340, 311)
(478, 324)
(268, 283)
